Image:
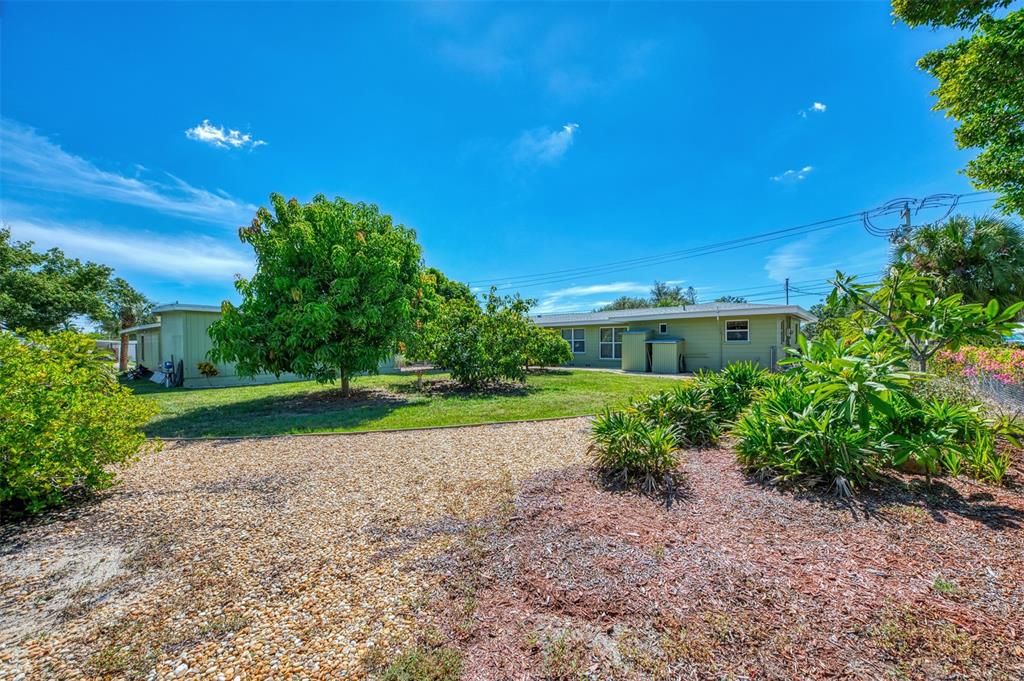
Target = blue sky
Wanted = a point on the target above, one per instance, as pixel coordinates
(515, 139)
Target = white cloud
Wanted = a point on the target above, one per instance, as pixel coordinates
(33, 161)
(793, 175)
(815, 107)
(181, 257)
(219, 137)
(545, 146)
(581, 297)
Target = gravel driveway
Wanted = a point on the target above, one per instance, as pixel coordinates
(258, 558)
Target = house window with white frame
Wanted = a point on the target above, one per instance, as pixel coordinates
(574, 337)
(737, 331)
(611, 342)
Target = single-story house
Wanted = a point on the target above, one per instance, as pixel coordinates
(671, 340)
(180, 335)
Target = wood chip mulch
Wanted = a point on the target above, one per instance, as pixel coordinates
(290, 557)
(744, 580)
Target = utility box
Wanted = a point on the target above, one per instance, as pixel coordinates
(666, 355)
(634, 350)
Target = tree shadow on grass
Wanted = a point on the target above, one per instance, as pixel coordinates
(283, 415)
(448, 388)
(890, 494)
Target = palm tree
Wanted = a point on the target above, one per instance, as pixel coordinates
(979, 257)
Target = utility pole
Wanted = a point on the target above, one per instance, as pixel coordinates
(787, 290)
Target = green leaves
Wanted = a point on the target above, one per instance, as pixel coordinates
(481, 345)
(64, 420)
(980, 86)
(906, 312)
(46, 291)
(333, 294)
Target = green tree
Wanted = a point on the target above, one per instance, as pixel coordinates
(46, 291)
(626, 303)
(332, 296)
(666, 295)
(662, 295)
(449, 289)
(980, 85)
(981, 258)
(546, 348)
(730, 299)
(906, 306)
(480, 345)
(123, 306)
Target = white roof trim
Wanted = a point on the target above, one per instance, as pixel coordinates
(181, 307)
(654, 314)
(141, 327)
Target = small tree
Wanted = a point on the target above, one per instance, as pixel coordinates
(906, 305)
(332, 296)
(481, 345)
(547, 348)
(123, 306)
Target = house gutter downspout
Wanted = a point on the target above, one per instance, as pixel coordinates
(718, 322)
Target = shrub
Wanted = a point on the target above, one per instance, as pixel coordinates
(546, 348)
(687, 409)
(628, 447)
(64, 419)
(480, 346)
(787, 434)
(730, 391)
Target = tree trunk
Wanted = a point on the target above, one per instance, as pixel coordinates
(122, 357)
(346, 390)
(922, 364)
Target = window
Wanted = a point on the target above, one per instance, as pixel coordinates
(737, 331)
(662, 328)
(574, 337)
(611, 342)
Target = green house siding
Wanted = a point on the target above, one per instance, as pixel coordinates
(183, 336)
(704, 344)
(590, 357)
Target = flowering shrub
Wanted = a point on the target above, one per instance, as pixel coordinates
(1004, 364)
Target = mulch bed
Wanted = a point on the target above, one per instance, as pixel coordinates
(741, 579)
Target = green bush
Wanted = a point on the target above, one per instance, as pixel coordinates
(848, 409)
(64, 419)
(787, 435)
(628, 447)
(687, 409)
(732, 389)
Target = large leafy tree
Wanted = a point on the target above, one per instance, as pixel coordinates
(47, 291)
(981, 258)
(980, 85)
(333, 293)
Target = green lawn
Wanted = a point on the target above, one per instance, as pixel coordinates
(382, 402)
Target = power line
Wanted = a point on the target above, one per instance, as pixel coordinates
(568, 274)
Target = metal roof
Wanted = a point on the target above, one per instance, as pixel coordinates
(680, 312)
(182, 307)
